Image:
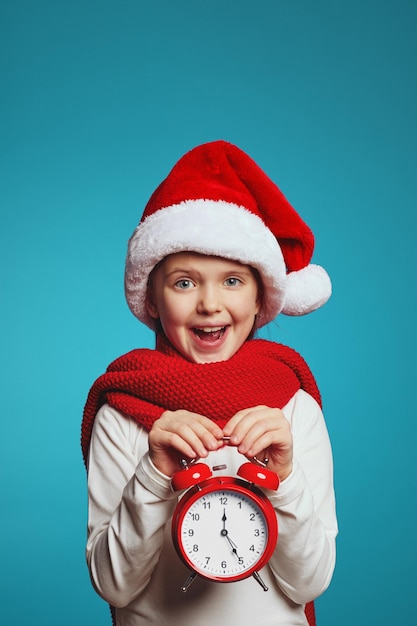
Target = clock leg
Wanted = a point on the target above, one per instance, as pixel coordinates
(188, 582)
(260, 581)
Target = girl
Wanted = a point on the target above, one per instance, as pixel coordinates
(219, 252)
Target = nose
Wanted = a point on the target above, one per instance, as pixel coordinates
(209, 301)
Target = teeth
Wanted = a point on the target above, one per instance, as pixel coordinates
(214, 329)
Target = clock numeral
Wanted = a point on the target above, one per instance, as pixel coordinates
(195, 547)
(223, 564)
(207, 559)
(207, 505)
(190, 532)
(223, 500)
(257, 532)
(252, 548)
(195, 516)
(252, 517)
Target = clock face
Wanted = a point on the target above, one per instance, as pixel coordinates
(223, 532)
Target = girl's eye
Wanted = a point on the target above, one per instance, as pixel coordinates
(232, 281)
(184, 283)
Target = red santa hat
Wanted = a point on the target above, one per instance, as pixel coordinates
(217, 201)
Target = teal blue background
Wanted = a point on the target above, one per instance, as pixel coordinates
(99, 99)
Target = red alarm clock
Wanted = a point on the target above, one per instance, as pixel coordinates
(224, 528)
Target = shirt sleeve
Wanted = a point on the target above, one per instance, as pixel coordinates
(130, 502)
(304, 559)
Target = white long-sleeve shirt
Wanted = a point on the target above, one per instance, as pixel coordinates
(131, 557)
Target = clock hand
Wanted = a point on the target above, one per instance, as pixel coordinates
(233, 545)
(224, 533)
(224, 518)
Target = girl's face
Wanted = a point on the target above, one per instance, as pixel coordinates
(206, 305)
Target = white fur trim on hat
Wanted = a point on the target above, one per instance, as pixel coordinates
(211, 227)
(307, 290)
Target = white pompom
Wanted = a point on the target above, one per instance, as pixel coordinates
(307, 290)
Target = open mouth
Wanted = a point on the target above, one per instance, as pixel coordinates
(210, 334)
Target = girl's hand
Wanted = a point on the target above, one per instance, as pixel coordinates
(182, 434)
(265, 433)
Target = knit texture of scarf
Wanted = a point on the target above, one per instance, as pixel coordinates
(143, 383)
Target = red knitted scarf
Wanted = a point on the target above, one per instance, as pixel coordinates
(144, 383)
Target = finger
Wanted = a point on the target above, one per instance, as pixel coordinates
(208, 432)
(257, 419)
(187, 449)
(239, 423)
(190, 434)
(263, 445)
(171, 419)
(256, 429)
(198, 437)
(260, 436)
